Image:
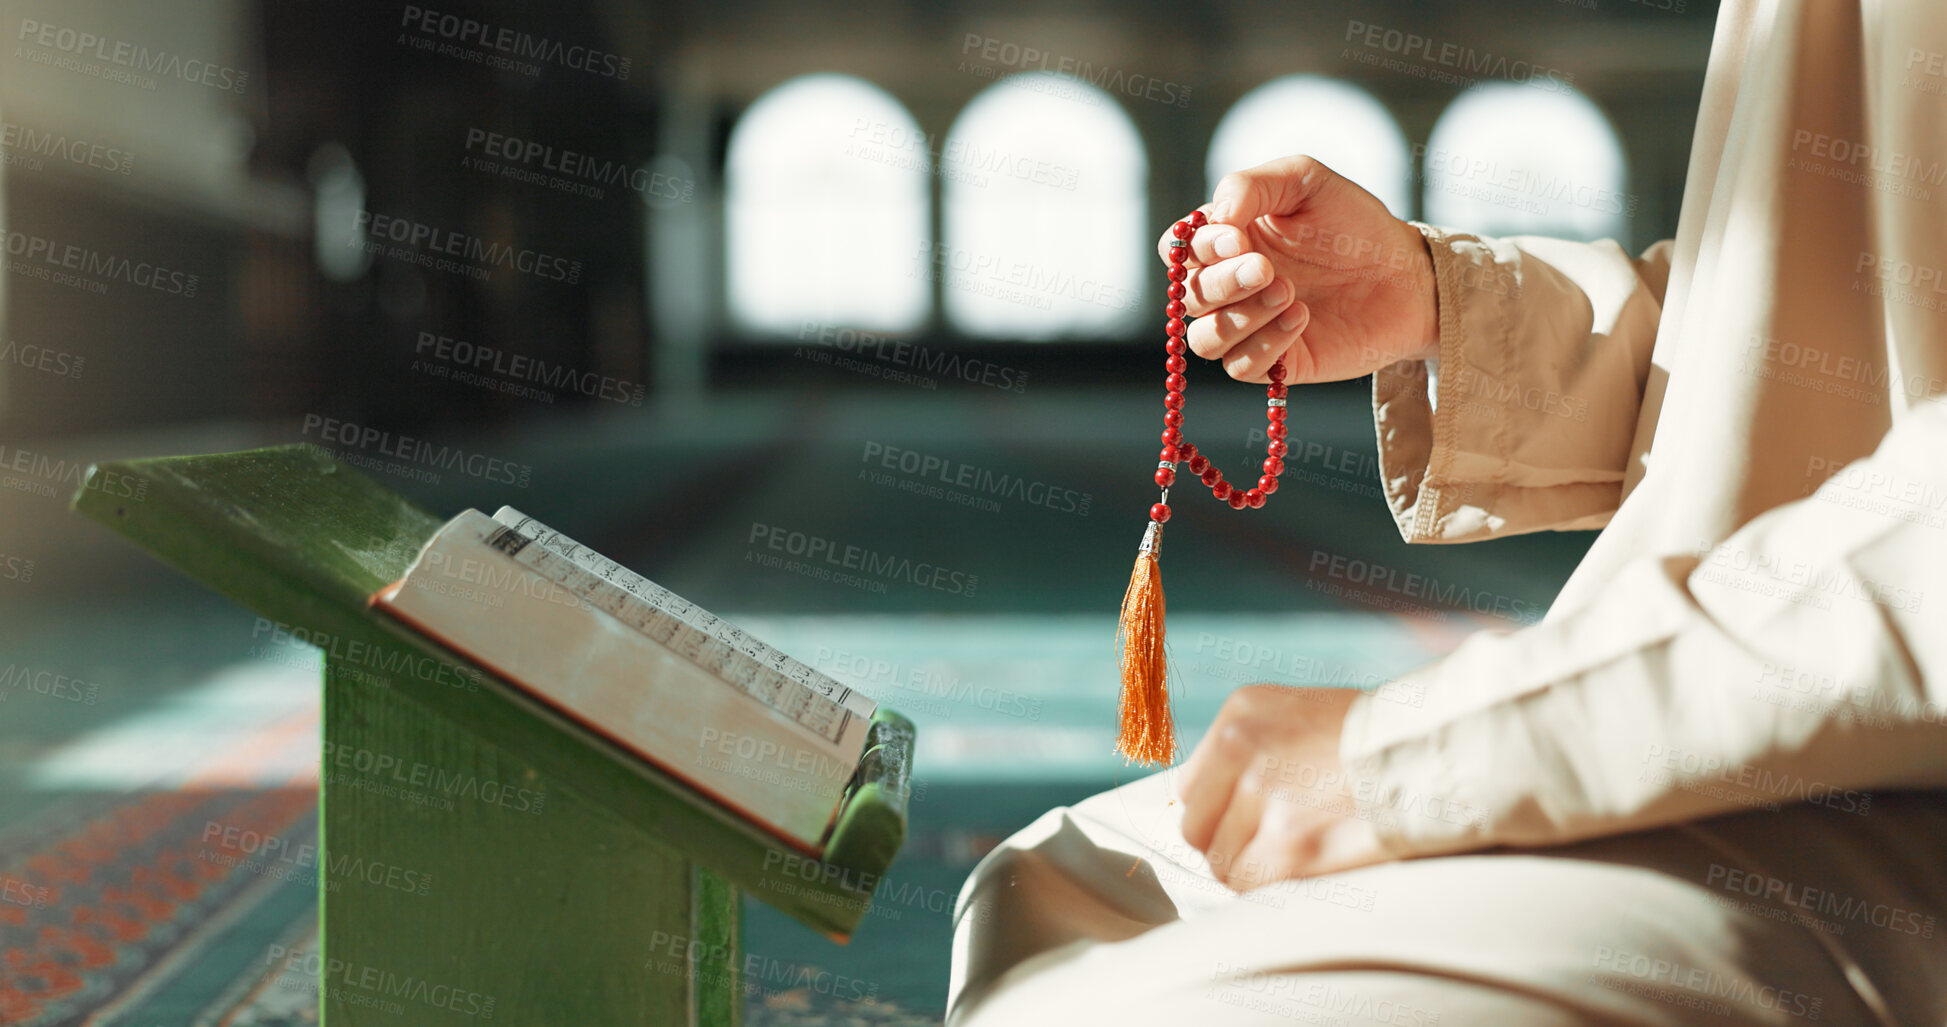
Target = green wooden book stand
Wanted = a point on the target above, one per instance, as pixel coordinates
(570, 884)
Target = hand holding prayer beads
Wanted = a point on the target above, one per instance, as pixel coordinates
(1147, 735)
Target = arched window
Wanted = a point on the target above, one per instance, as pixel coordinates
(1338, 123)
(1043, 183)
(826, 195)
(1508, 159)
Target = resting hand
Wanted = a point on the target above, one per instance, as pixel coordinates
(1264, 797)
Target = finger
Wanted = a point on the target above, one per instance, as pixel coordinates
(1251, 357)
(1213, 337)
(1282, 186)
(1235, 831)
(1210, 776)
(1213, 243)
(1281, 849)
(1227, 282)
(1198, 257)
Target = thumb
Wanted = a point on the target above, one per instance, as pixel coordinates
(1278, 187)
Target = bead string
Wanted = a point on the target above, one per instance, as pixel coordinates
(1174, 448)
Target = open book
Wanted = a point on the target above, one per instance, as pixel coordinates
(664, 679)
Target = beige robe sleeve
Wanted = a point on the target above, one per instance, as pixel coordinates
(1803, 659)
(1544, 350)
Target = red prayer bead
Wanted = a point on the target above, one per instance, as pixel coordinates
(1179, 254)
(1221, 490)
(1165, 477)
(1175, 365)
(1189, 451)
(1172, 436)
(1168, 455)
(1273, 466)
(1173, 400)
(1198, 463)
(1277, 448)
(1178, 273)
(1277, 390)
(1182, 230)
(1268, 484)
(1197, 219)
(1236, 498)
(1276, 431)
(1276, 372)
(1175, 290)
(1159, 513)
(1173, 418)
(1274, 414)
(1173, 327)
(1254, 499)
(1211, 476)
(1175, 382)
(1174, 308)
(1177, 347)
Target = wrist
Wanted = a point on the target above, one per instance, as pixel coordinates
(1426, 297)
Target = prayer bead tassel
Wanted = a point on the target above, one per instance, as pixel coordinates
(1147, 736)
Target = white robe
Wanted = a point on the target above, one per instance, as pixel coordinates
(1728, 693)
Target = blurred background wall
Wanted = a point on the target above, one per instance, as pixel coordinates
(704, 284)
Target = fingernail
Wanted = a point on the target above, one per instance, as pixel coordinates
(1253, 274)
(1227, 245)
(1274, 294)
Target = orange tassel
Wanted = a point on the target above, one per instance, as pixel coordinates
(1147, 736)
